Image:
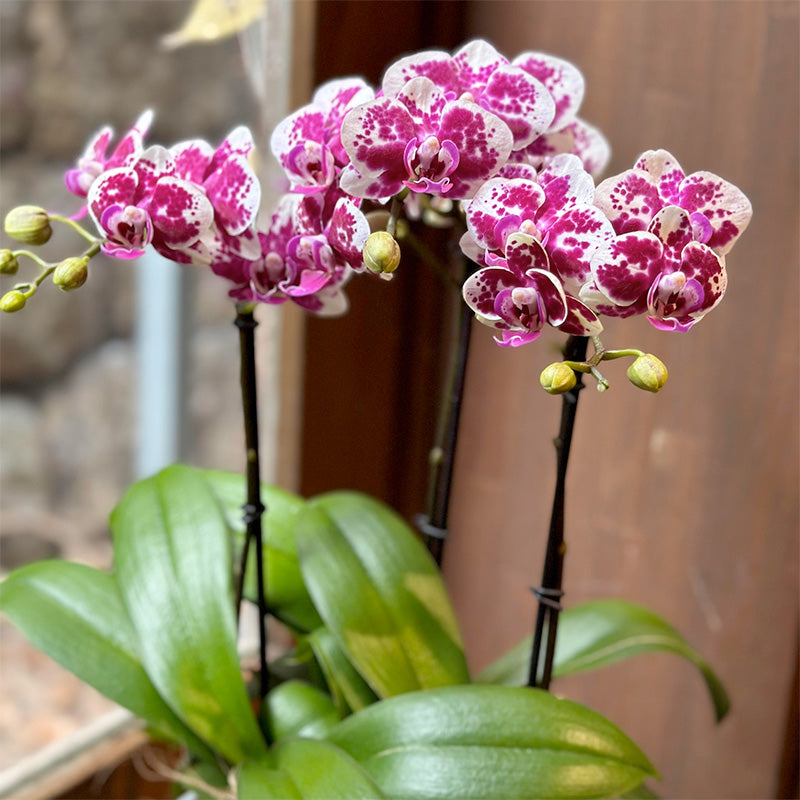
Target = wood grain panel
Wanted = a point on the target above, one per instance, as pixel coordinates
(685, 501)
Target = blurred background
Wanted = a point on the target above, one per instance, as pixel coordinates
(686, 502)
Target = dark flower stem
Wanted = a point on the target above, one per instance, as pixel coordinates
(443, 455)
(253, 508)
(550, 593)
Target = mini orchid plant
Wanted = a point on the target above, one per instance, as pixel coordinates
(494, 150)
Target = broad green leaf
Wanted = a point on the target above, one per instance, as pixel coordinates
(490, 743)
(349, 690)
(287, 597)
(641, 792)
(74, 614)
(380, 594)
(173, 564)
(296, 708)
(308, 770)
(601, 632)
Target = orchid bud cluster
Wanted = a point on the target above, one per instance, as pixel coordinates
(470, 137)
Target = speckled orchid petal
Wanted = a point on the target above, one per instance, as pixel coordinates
(580, 320)
(192, 159)
(330, 301)
(90, 164)
(131, 143)
(238, 142)
(565, 183)
(724, 206)
(563, 80)
(572, 240)
(664, 171)
(629, 200)
(500, 199)
(152, 165)
(524, 253)
(521, 101)
(481, 288)
(595, 300)
(517, 170)
(338, 96)
(180, 211)
(117, 187)
(235, 193)
(673, 227)
(590, 146)
(128, 230)
(476, 62)
(483, 142)
(375, 136)
(625, 267)
(425, 102)
(347, 232)
(678, 299)
(437, 65)
(545, 147)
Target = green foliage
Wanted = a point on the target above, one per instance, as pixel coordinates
(305, 769)
(490, 742)
(380, 594)
(287, 596)
(296, 708)
(602, 632)
(173, 563)
(75, 614)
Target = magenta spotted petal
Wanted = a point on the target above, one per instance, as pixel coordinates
(590, 146)
(348, 231)
(500, 207)
(678, 300)
(674, 229)
(115, 188)
(625, 267)
(524, 253)
(719, 209)
(580, 320)
(572, 240)
(563, 81)
(664, 171)
(181, 213)
(235, 194)
(481, 288)
(192, 159)
(629, 200)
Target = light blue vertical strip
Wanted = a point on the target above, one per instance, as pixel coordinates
(161, 340)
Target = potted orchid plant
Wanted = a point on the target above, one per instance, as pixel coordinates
(375, 698)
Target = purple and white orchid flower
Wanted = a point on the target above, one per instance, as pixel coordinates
(422, 140)
(94, 161)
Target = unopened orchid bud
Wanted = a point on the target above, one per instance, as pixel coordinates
(648, 373)
(28, 224)
(8, 263)
(558, 378)
(71, 273)
(381, 252)
(12, 301)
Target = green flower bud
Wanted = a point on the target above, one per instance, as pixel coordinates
(8, 263)
(558, 378)
(71, 273)
(28, 224)
(12, 301)
(381, 252)
(648, 373)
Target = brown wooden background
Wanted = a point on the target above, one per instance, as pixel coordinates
(686, 501)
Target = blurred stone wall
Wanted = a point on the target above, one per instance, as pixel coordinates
(68, 366)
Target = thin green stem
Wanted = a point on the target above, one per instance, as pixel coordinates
(79, 229)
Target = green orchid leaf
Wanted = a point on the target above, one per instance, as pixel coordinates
(601, 632)
(641, 792)
(349, 690)
(490, 743)
(173, 565)
(306, 769)
(287, 597)
(296, 708)
(380, 594)
(75, 615)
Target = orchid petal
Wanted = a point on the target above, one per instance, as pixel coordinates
(483, 286)
(117, 187)
(192, 159)
(235, 194)
(180, 212)
(434, 64)
(563, 81)
(664, 171)
(625, 267)
(725, 206)
(630, 200)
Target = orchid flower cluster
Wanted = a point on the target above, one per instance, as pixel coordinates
(500, 137)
